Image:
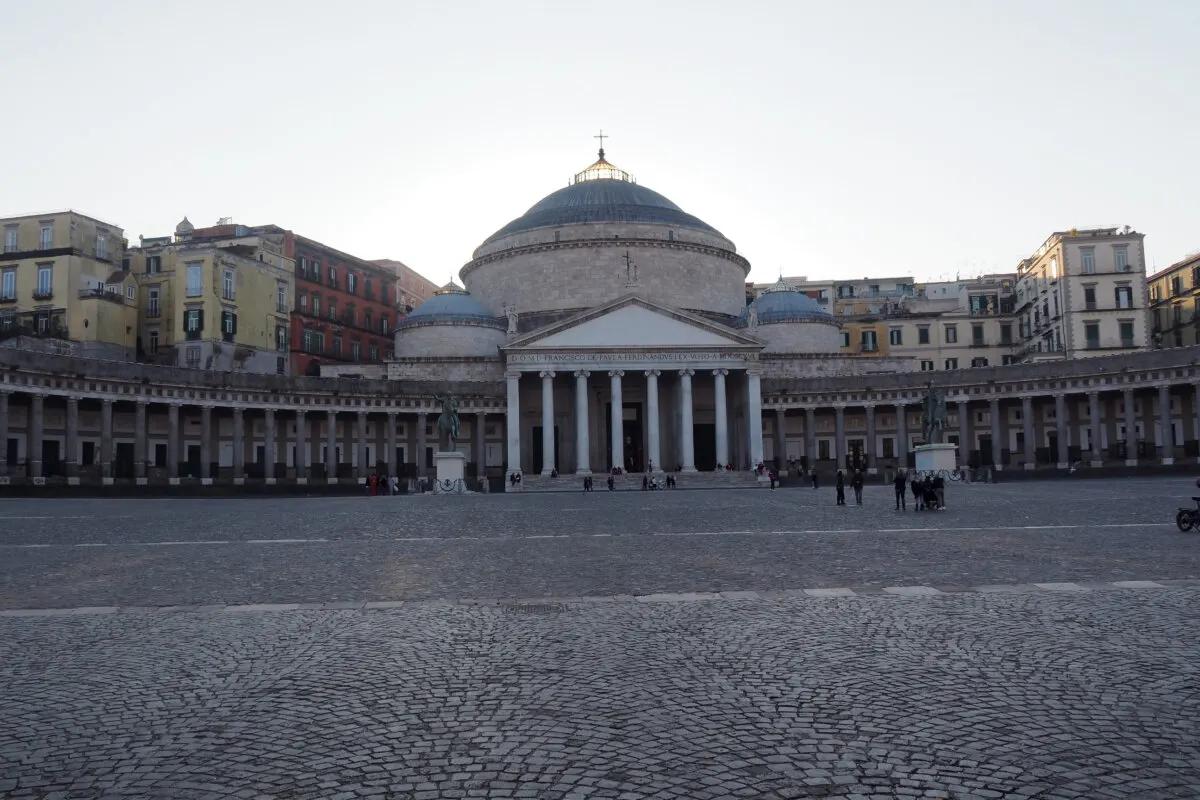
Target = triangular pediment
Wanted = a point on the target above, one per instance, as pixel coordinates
(634, 322)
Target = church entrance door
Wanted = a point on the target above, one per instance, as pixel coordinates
(704, 445)
(634, 446)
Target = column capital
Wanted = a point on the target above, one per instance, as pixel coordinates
(616, 373)
(512, 374)
(582, 373)
(546, 373)
(869, 408)
(687, 372)
(653, 373)
(721, 372)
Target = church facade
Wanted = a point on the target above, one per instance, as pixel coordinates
(606, 328)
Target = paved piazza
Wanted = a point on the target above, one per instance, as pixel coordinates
(1035, 640)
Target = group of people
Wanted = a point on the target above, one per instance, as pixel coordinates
(856, 483)
(928, 492)
(382, 484)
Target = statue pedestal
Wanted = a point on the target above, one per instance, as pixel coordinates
(936, 457)
(451, 466)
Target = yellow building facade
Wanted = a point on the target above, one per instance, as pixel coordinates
(62, 282)
(1175, 304)
(215, 299)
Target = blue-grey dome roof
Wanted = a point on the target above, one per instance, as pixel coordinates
(602, 200)
(782, 303)
(451, 303)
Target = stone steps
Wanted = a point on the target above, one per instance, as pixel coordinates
(632, 481)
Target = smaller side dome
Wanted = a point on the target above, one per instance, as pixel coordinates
(450, 304)
(184, 228)
(784, 303)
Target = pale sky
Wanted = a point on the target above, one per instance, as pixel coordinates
(825, 139)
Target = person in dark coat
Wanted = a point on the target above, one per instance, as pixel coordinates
(939, 491)
(857, 483)
(841, 489)
(918, 495)
(814, 477)
(930, 497)
(901, 486)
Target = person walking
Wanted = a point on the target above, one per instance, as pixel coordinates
(841, 488)
(773, 476)
(901, 486)
(814, 477)
(857, 483)
(939, 491)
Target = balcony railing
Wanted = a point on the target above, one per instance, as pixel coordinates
(43, 294)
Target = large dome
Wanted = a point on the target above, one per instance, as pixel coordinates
(602, 237)
(602, 200)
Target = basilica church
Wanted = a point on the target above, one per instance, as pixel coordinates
(619, 325)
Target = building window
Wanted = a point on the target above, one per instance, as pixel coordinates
(193, 322)
(1089, 259)
(979, 361)
(336, 349)
(281, 298)
(314, 341)
(1176, 285)
(45, 280)
(1124, 296)
(951, 363)
(867, 340)
(977, 335)
(1008, 359)
(926, 366)
(1089, 297)
(102, 245)
(951, 335)
(845, 338)
(1126, 333)
(228, 290)
(1121, 258)
(153, 342)
(153, 265)
(367, 291)
(368, 319)
(1091, 334)
(10, 239)
(129, 292)
(195, 279)
(46, 241)
(383, 324)
(355, 351)
(1005, 333)
(302, 301)
(333, 276)
(896, 336)
(8, 285)
(332, 310)
(193, 357)
(152, 307)
(281, 337)
(923, 335)
(228, 325)
(316, 305)
(351, 282)
(374, 352)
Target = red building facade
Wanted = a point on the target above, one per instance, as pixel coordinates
(345, 311)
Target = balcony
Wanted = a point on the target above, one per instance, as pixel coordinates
(192, 336)
(43, 294)
(153, 313)
(102, 293)
(8, 299)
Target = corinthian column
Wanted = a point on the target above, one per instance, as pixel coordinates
(687, 454)
(547, 421)
(583, 445)
(721, 414)
(653, 447)
(617, 419)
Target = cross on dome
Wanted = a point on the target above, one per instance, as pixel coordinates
(602, 169)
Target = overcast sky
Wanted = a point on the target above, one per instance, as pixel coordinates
(826, 139)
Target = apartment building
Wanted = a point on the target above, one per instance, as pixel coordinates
(1175, 304)
(412, 288)
(216, 298)
(62, 281)
(1083, 293)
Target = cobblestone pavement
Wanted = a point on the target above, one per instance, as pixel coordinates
(1057, 657)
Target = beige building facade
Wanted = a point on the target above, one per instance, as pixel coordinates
(62, 280)
(215, 303)
(1175, 304)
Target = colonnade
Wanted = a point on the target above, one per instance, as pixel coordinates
(617, 378)
(324, 445)
(1127, 426)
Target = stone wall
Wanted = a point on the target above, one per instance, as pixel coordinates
(573, 275)
(449, 339)
(799, 337)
